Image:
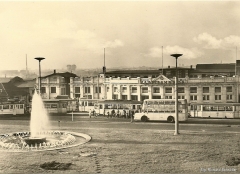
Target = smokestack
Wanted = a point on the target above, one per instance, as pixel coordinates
(54, 71)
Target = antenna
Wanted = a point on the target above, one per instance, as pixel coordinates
(26, 68)
(236, 63)
(162, 60)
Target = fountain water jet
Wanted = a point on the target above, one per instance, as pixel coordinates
(39, 119)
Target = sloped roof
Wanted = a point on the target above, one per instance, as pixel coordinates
(27, 84)
(11, 90)
(66, 74)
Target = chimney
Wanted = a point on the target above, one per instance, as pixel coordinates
(168, 66)
(191, 66)
(54, 71)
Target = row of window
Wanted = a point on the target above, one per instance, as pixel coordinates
(192, 97)
(155, 89)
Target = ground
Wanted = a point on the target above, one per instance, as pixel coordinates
(123, 147)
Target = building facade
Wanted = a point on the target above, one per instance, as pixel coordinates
(208, 83)
(55, 84)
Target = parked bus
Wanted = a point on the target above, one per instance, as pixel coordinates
(162, 110)
(60, 105)
(11, 108)
(87, 104)
(102, 107)
(215, 110)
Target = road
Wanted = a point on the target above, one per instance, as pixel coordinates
(192, 124)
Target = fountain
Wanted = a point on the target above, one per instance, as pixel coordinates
(40, 137)
(39, 121)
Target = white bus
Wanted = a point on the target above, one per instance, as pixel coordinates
(102, 107)
(215, 110)
(162, 110)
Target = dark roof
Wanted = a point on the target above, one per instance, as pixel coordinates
(27, 84)
(11, 90)
(66, 74)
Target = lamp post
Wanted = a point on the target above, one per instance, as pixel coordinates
(39, 79)
(176, 96)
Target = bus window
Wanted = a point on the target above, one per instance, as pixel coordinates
(229, 108)
(21, 106)
(54, 106)
(5, 106)
(1, 107)
(221, 108)
(11, 106)
(206, 108)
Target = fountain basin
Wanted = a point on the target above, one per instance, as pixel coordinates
(35, 140)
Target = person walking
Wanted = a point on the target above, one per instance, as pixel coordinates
(90, 113)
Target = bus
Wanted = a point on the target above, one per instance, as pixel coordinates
(61, 106)
(11, 108)
(162, 110)
(102, 107)
(215, 110)
(86, 104)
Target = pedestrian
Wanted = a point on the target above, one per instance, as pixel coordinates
(108, 114)
(90, 113)
(113, 113)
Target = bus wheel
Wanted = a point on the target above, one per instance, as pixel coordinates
(144, 118)
(170, 119)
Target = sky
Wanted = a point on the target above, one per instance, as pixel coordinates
(133, 33)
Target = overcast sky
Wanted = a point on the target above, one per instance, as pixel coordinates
(132, 33)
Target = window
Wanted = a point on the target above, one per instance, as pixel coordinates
(43, 90)
(77, 89)
(205, 89)
(97, 89)
(168, 90)
(115, 89)
(193, 89)
(229, 88)
(156, 97)
(77, 95)
(144, 89)
(115, 97)
(143, 97)
(124, 97)
(181, 97)
(168, 97)
(156, 90)
(63, 91)
(181, 90)
(229, 97)
(193, 97)
(134, 97)
(87, 89)
(124, 89)
(134, 89)
(107, 89)
(53, 89)
(217, 97)
(206, 97)
(217, 89)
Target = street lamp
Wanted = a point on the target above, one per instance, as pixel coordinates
(39, 79)
(176, 96)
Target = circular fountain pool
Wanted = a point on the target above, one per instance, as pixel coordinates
(46, 140)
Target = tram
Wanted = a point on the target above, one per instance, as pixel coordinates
(215, 110)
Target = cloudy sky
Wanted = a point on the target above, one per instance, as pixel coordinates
(132, 33)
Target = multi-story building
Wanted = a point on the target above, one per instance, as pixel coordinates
(56, 84)
(205, 83)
